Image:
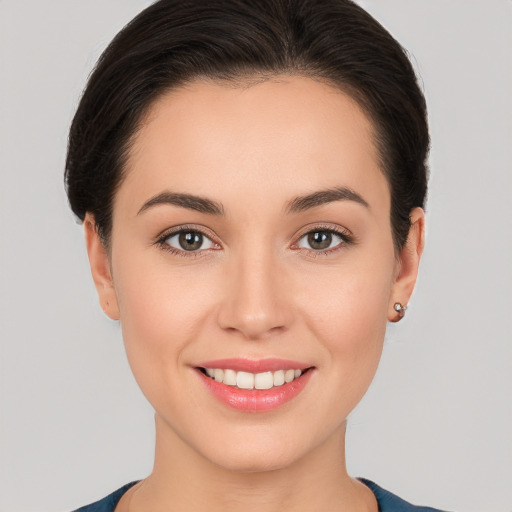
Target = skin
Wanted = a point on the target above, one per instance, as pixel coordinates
(258, 291)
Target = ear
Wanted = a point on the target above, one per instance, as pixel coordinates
(100, 269)
(408, 264)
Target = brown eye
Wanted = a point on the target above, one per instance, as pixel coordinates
(321, 240)
(189, 241)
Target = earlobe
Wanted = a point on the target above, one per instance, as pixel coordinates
(100, 269)
(409, 262)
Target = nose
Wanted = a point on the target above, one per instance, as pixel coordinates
(255, 299)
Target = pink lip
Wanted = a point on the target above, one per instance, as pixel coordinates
(248, 365)
(255, 400)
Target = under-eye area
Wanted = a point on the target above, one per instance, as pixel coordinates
(247, 380)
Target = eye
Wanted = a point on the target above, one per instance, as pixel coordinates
(322, 240)
(188, 240)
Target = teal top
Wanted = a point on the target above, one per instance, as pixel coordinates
(387, 501)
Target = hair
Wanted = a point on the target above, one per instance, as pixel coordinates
(174, 42)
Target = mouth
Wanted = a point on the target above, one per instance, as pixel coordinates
(254, 386)
(248, 380)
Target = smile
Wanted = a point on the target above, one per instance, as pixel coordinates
(246, 380)
(254, 386)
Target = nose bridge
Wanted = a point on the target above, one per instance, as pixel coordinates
(255, 302)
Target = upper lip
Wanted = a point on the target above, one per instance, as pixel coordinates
(254, 366)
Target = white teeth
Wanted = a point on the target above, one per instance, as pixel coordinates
(230, 377)
(263, 380)
(279, 378)
(289, 375)
(246, 380)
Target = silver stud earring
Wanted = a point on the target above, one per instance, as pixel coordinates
(400, 309)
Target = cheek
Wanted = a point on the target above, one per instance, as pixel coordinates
(350, 300)
(161, 312)
(347, 310)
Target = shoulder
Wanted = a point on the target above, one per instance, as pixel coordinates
(108, 503)
(389, 502)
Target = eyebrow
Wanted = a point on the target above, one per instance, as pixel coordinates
(296, 205)
(321, 197)
(192, 202)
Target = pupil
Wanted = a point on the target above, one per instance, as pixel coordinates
(320, 239)
(191, 241)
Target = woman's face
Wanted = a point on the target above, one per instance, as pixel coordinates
(252, 235)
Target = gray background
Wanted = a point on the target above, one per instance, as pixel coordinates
(435, 426)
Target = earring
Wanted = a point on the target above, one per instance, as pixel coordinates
(400, 309)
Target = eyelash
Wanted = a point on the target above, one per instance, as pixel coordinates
(162, 242)
(346, 239)
(345, 235)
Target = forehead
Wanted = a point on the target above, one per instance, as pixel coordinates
(282, 136)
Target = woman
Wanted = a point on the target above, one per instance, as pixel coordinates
(251, 178)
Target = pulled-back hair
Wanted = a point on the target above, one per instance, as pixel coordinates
(173, 42)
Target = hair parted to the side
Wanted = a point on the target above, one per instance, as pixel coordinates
(173, 42)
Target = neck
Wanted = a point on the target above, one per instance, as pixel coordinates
(182, 479)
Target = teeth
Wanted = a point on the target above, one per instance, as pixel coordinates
(289, 375)
(279, 378)
(230, 377)
(246, 380)
(264, 380)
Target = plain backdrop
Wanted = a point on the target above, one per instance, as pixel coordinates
(436, 425)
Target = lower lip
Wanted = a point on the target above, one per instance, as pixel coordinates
(255, 400)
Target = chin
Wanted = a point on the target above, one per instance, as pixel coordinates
(249, 462)
(261, 454)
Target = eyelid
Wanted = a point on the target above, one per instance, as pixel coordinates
(344, 233)
(166, 233)
(163, 236)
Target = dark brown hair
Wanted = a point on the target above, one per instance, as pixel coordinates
(175, 41)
